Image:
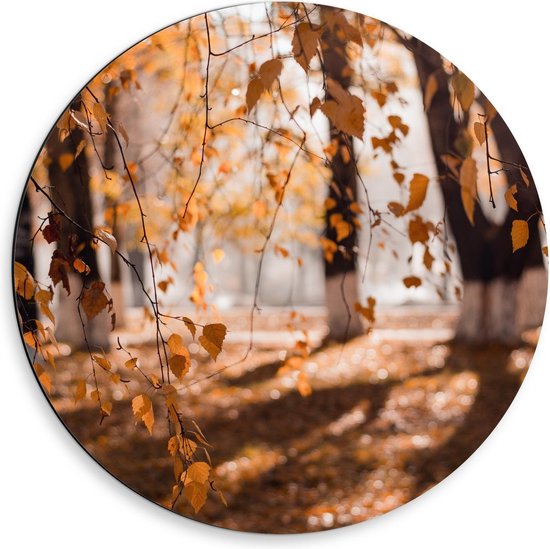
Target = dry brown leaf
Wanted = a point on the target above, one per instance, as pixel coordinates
(304, 44)
(212, 339)
(143, 410)
(179, 364)
(520, 234)
(24, 281)
(479, 131)
(93, 299)
(344, 110)
(253, 93)
(418, 230)
(195, 492)
(430, 91)
(417, 192)
(190, 325)
(464, 89)
(199, 471)
(270, 71)
(412, 281)
(80, 391)
(510, 198)
(468, 187)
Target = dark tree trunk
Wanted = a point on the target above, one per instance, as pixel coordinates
(110, 157)
(23, 254)
(340, 273)
(70, 189)
(504, 291)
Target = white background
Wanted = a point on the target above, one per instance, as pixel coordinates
(52, 494)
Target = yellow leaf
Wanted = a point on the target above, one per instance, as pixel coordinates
(396, 208)
(218, 254)
(80, 266)
(101, 116)
(464, 89)
(520, 234)
(93, 299)
(304, 44)
(315, 105)
(189, 448)
(418, 230)
(281, 250)
(24, 282)
(479, 130)
(190, 325)
(179, 364)
(510, 198)
(173, 445)
(80, 391)
(468, 187)
(344, 110)
(269, 71)
(131, 363)
(176, 346)
(143, 409)
(412, 281)
(170, 395)
(253, 93)
(198, 471)
(102, 361)
(430, 91)
(399, 177)
(343, 230)
(43, 377)
(329, 248)
(417, 192)
(47, 312)
(106, 408)
(368, 311)
(195, 492)
(212, 338)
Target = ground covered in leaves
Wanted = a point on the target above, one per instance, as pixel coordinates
(390, 414)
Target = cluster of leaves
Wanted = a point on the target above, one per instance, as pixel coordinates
(209, 197)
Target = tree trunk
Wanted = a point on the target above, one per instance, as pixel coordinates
(23, 254)
(341, 284)
(110, 155)
(496, 291)
(70, 188)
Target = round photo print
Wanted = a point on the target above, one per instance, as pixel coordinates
(280, 267)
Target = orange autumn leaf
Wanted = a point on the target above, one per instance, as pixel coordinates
(212, 339)
(520, 234)
(195, 492)
(143, 410)
(412, 281)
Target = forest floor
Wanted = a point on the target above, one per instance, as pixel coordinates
(390, 414)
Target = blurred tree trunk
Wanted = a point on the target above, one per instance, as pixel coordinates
(110, 156)
(341, 281)
(23, 254)
(70, 189)
(504, 292)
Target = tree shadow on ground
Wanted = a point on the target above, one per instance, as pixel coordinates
(497, 388)
(294, 460)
